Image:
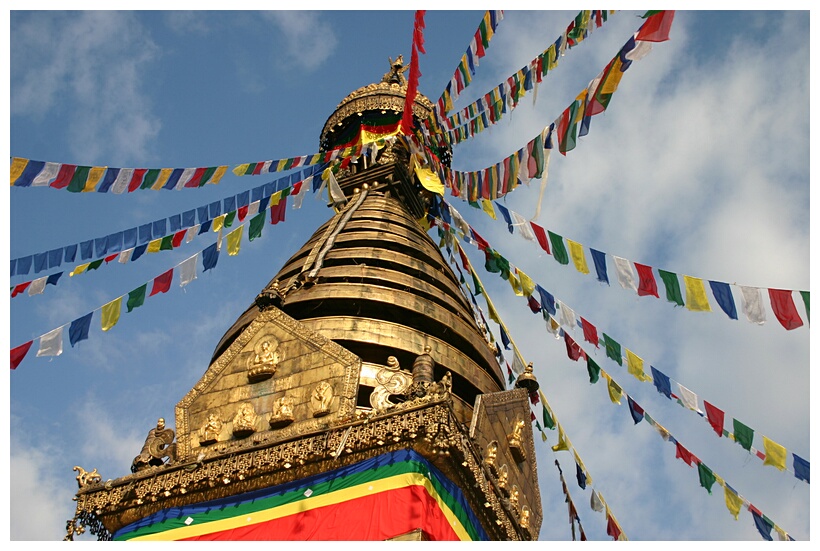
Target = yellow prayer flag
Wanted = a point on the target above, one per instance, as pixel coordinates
(275, 198)
(154, 246)
(493, 314)
(634, 365)
(18, 165)
(516, 285)
(280, 166)
(430, 180)
(576, 251)
(543, 436)
(733, 501)
(488, 26)
(527, 284)
(79, 269)
(235, 240)
(111, 314)
(164, 174)
(94, 176)
(696, 295)
(613, 389)
(562, 443)
(424, 223)
(317, 158)
(220, 172)
(487, 206)
(775, 454)
(240, 170)
(613, 77)
(366, 136)
(219, 221)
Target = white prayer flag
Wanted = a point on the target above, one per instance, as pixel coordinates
(51, 344)
(752, 304)
(49, 172)
(191, 233)
(522, 225)
(125, 256)
(120, 185)
(689, 398)
(567, 315)
(626, 277)
(187, 271)
(37, 286)
(185, 177)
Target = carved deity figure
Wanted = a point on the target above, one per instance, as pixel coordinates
(524, 521)
(321, 398)
(158, 445)
(516, 441)
(264, 361)
(282, 414)
(210, 430)
(515, 495)
(503, 477)
(491, 455)
(244, 422)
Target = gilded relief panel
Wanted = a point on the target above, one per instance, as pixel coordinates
(278, 379)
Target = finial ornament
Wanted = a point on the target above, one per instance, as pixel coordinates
(158, 445)
(396, 73)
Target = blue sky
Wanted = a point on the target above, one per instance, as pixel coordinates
(699, 166)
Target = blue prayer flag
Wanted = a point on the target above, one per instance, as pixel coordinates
(55, 258)
(100, 246)
(23, 265)
(189, 218)
(40, 262)
(175, 221)
(159, 228)
(661, 382)
(129, 238)
(139, 250)
(78, 330)
(599, 259)
(31, 171)
(801, 468)
(53, 278)
(635, 410)
(144, 234)
(114, 242)
(209, 257)
(723, 296)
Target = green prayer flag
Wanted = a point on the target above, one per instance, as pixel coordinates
(255, 226)
(79, 179)
(229, 218)
(504, 266)
(474, 204)
(805, 295)
(743, 434)
(706, 476)
(478, 288)
(167, 243)
(559, 252)
(613, 349)
(250, 169)
(94, 265)
(650, 13)
(593, 369)
(205, 175)
(149, 179)
(136, 298)
(670, 281)
(512, 378)
(548, 421)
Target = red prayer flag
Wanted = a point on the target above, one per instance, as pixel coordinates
(784, 308)
(656, 27)
(647, 286)
(277, 212)
(258, 168)
(176, 241)
(590, 332)
(242, 212)
(574, 351)
(715, 417)
(162, 283)
(20, 288)
(196, 178)
(541, 235)
(111, 257)
(465, 263)
(64, 176)
(136, 179)
(479, 44)
(482, 244)
(18, 353)
(684, 454)
(612, 527)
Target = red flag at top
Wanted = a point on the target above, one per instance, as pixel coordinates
(413, 77)
(715, 417)
(784, 309)
(656, 27)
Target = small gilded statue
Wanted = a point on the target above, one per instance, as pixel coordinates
(524, 521)
(209, 433)
(158, 445)
(490, 457)
(516, 441)
(262, 365)
(395, 74)
(503, 477)
(515, 495)
(244, 422)
(282, 414)
(321, 398)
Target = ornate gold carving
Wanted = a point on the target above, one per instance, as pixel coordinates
(85, 478)
(209, 432)
(514, 440)
(244, 422)
(515, 494)
(158, 445)
(262, 365)
(395, 74)
(282, 414)
(503, 480)
(391, 380)
(321, 398)
(524, 521)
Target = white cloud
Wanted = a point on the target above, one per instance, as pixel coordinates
(308, 39)
(55, 58)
